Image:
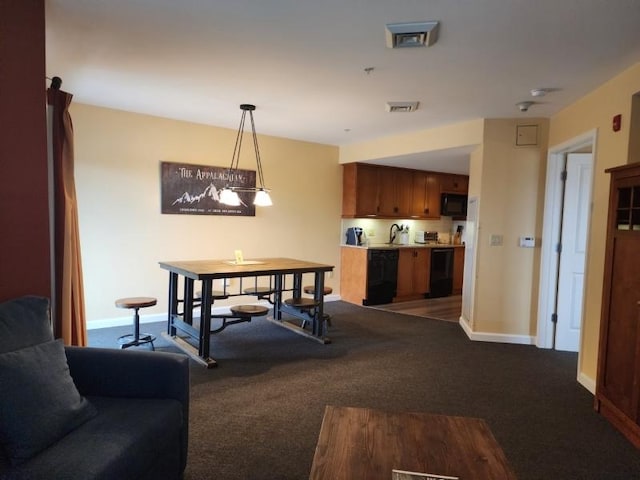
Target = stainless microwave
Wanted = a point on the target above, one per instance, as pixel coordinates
(453, 205)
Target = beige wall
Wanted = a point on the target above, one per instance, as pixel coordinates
(511, 205)
(449, 136)
(123, 235)
(596, 111)
(509, 182)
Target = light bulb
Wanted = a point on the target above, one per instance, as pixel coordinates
(262, 199)
(229, 197)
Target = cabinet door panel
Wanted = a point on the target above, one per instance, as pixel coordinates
(619, 375)
(421, 270)
(455, 183)
(419, 195)
(404, 192)
(458, 269)
(405, 273)
(425, 197)
(367, 191)
(433, 196)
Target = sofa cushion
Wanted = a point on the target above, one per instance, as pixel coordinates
(24, 322)
(129, 438)
(39, 402)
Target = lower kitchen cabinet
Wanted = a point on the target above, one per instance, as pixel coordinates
(458, 270)
(353, 274)
(413, 273)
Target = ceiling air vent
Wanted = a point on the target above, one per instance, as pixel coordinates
(402, 106)
(416, 34)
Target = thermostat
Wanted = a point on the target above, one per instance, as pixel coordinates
(527, 242)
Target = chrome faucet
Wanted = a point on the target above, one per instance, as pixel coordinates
(392, 235)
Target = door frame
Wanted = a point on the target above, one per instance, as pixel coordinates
(551, 228)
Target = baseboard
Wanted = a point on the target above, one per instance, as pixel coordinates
(587, 382)
(495, 337)
(162, 317)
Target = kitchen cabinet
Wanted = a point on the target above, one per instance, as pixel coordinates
(359, 190)
(375, 191)
(458, 270)
(394, 192)
(413, 273)
(389, 192)
(353, 274)
(618, 379)
(368, 276)
(425, 199)
(450, 183)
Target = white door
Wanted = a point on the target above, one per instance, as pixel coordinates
(468, 284)
(575, 225)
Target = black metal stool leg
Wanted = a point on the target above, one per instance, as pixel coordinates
(136, 340)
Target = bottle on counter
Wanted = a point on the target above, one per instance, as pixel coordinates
(457, 237)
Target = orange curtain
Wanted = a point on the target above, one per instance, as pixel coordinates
(68, 305)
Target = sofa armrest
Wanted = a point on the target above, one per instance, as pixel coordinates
(132, 374)
(126, 373)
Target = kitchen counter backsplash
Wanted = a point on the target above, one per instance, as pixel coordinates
(394, 246)
(377, 230)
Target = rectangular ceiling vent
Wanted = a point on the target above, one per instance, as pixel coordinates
(403, 107)
(414, 34)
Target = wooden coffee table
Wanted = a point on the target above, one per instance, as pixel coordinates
(360, 443)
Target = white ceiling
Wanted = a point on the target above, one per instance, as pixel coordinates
(302, 62)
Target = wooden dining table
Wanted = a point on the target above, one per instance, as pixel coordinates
(285, 275)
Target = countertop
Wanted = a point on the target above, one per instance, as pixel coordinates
(395, 246)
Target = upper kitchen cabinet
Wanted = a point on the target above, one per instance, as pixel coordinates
(389, 192)
(450, 183)
(394, 193)
(359, 190)
(425, 195)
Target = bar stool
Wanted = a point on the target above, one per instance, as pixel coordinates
(248, 310)
(311, 290)
(239, 313)
(137, 338)
(263, 293)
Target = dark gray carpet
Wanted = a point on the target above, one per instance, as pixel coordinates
(258, 415)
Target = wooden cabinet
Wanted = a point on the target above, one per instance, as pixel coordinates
(413, 273)
(450, 183)
(425, 199)
(359, 190)
(458, 270)
(618, 381)
(388, 192)
(394, 192)
(353, 274)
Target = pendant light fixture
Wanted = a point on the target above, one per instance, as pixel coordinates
(229, 194)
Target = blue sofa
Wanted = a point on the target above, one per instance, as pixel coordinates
(86, 413)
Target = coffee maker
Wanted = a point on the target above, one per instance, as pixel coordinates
(355, 236)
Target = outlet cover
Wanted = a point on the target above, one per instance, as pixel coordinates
(496, 240)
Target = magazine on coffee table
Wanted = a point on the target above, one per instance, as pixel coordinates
(404, 475)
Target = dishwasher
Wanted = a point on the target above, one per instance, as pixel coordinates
(441, 283)
(382, 276)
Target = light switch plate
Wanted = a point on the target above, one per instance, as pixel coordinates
(496, 240)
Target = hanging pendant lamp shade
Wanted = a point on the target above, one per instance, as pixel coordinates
(229, 194)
